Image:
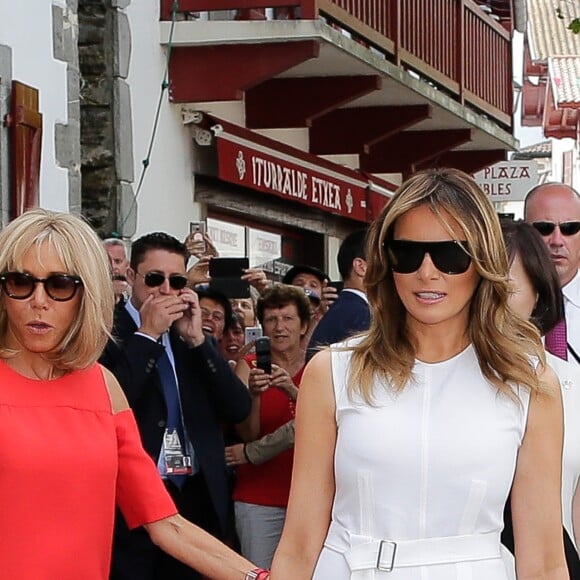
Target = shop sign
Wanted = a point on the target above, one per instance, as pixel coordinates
(264, 247)
(229, 239)
(508, 180)
(277, 267)
(280, 174)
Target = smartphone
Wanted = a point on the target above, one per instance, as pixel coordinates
(252, 333)
(225, 276)
(198, 229)
(338, 284)
(263, 355)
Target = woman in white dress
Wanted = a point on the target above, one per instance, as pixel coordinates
(408, 439)
(536, 296)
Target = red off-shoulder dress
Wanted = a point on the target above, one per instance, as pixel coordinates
(66, 460)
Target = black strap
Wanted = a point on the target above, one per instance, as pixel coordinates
(574, 353)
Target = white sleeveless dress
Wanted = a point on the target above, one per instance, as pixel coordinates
(435, 460)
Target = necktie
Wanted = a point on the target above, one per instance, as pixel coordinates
(557, 340)
(171, 393)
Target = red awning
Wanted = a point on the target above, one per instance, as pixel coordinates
(262, 164)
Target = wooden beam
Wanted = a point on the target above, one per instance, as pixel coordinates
(296, 102)
(354, 130)
(403, 152)
(224, 72)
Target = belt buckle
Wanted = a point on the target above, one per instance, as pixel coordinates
(390, 567)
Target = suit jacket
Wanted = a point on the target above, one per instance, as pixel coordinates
(348, 315)
(209, 391)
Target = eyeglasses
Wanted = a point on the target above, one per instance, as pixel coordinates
(155, 279)
(216, 316)
(406, 256)
(59, 287)
(566, 228)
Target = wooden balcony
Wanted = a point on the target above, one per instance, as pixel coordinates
(445, 65)
(453, 44)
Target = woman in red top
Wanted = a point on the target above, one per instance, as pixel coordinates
(261, 491)
(69, 447)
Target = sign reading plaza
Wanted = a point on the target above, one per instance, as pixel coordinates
(508, 180)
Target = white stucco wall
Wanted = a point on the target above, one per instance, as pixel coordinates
(26, 27)
(165, 202)
(525, 135)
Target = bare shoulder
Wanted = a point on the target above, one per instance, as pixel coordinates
(548, 376)
(118, 399)
(551, 393)
(316, 381)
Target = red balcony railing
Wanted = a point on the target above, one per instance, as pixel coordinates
(451, 43)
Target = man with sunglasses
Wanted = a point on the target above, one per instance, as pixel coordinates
(180, 388)
(554, 211)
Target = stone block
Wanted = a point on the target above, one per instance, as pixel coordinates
(121, 4)
(122, 45)
(123, 124)
(58, 34)
(5, 84)
(92, 60)
(97, 91)
(96, 123)
(126, 210)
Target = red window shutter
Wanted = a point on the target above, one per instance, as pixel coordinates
(26, 142)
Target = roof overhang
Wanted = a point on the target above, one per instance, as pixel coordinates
(256, 60)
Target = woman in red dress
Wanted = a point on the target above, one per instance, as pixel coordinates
(69, 447)
(261, 491)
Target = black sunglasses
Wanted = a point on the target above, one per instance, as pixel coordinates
(154, 279)
(59, 287)
(406, 256)
(566, 228)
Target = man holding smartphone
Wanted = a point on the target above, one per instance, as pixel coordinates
(180, 388)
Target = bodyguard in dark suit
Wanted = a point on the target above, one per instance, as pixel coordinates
(350, 313)
(180, 388)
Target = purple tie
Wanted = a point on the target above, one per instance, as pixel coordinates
(556, 340)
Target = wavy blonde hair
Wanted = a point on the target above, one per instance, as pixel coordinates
(505, 344)
(82, 255)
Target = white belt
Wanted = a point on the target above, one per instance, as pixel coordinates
(366, 553)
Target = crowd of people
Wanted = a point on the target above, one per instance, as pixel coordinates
(409, 425)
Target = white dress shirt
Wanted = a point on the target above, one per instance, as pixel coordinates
(165, 341)
(572, 308)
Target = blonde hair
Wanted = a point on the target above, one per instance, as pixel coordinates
(505, 344)
(82, 255)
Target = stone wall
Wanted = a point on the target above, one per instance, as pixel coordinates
(67, 137)
(106, 127)
(5, 84)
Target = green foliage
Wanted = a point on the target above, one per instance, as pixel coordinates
(574, 26)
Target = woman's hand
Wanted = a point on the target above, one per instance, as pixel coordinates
(258, 382)
(329, 295)
(199, 272)
(282, 380)
(257, 278)
(235, 455)
(200, 248)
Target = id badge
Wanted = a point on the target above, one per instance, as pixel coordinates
(176, 462)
